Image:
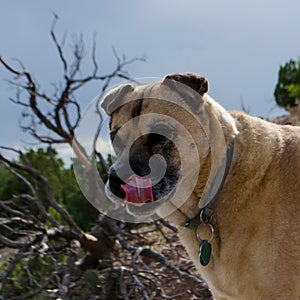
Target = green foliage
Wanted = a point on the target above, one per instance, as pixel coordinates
(287, 90)
(9, 184)
(81, 210)
(110, 160)
(63, 183)
(47, 162)
(294, 91)
(38, 268)
(91, 277)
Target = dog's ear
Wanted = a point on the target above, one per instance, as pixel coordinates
(114, 98)
(194, 81)
(190, 86)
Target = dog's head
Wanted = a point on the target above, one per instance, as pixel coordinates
(157, 140)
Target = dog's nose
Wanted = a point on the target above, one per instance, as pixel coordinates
(115, 183)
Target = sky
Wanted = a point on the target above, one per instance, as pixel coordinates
(237, 45)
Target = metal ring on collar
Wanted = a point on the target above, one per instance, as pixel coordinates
(211, 230)
(203, 218)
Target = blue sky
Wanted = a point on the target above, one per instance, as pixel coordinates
(237, 45)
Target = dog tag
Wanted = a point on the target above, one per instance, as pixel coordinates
(204, 253)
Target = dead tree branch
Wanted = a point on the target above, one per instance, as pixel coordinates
(38, 235)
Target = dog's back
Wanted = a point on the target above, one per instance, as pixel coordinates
(257, 246)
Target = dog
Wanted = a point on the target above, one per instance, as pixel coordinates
(240, 218)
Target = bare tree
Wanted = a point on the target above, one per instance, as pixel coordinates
(115, 260)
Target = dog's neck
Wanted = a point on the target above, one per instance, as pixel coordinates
(212, 175)
(213, 191)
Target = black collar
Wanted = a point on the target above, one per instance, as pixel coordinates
(206, 212)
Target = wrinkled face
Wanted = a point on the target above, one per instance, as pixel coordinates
(156, 143)
(146, 140)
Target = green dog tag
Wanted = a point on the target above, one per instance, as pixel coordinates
(204, 253)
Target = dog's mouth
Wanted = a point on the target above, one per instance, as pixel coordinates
(138, 190)
(141, 196)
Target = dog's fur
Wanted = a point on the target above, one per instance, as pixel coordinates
(256, 245)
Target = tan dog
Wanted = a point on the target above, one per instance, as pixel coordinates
(254, 232)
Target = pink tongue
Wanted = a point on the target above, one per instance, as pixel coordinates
(138, 190)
